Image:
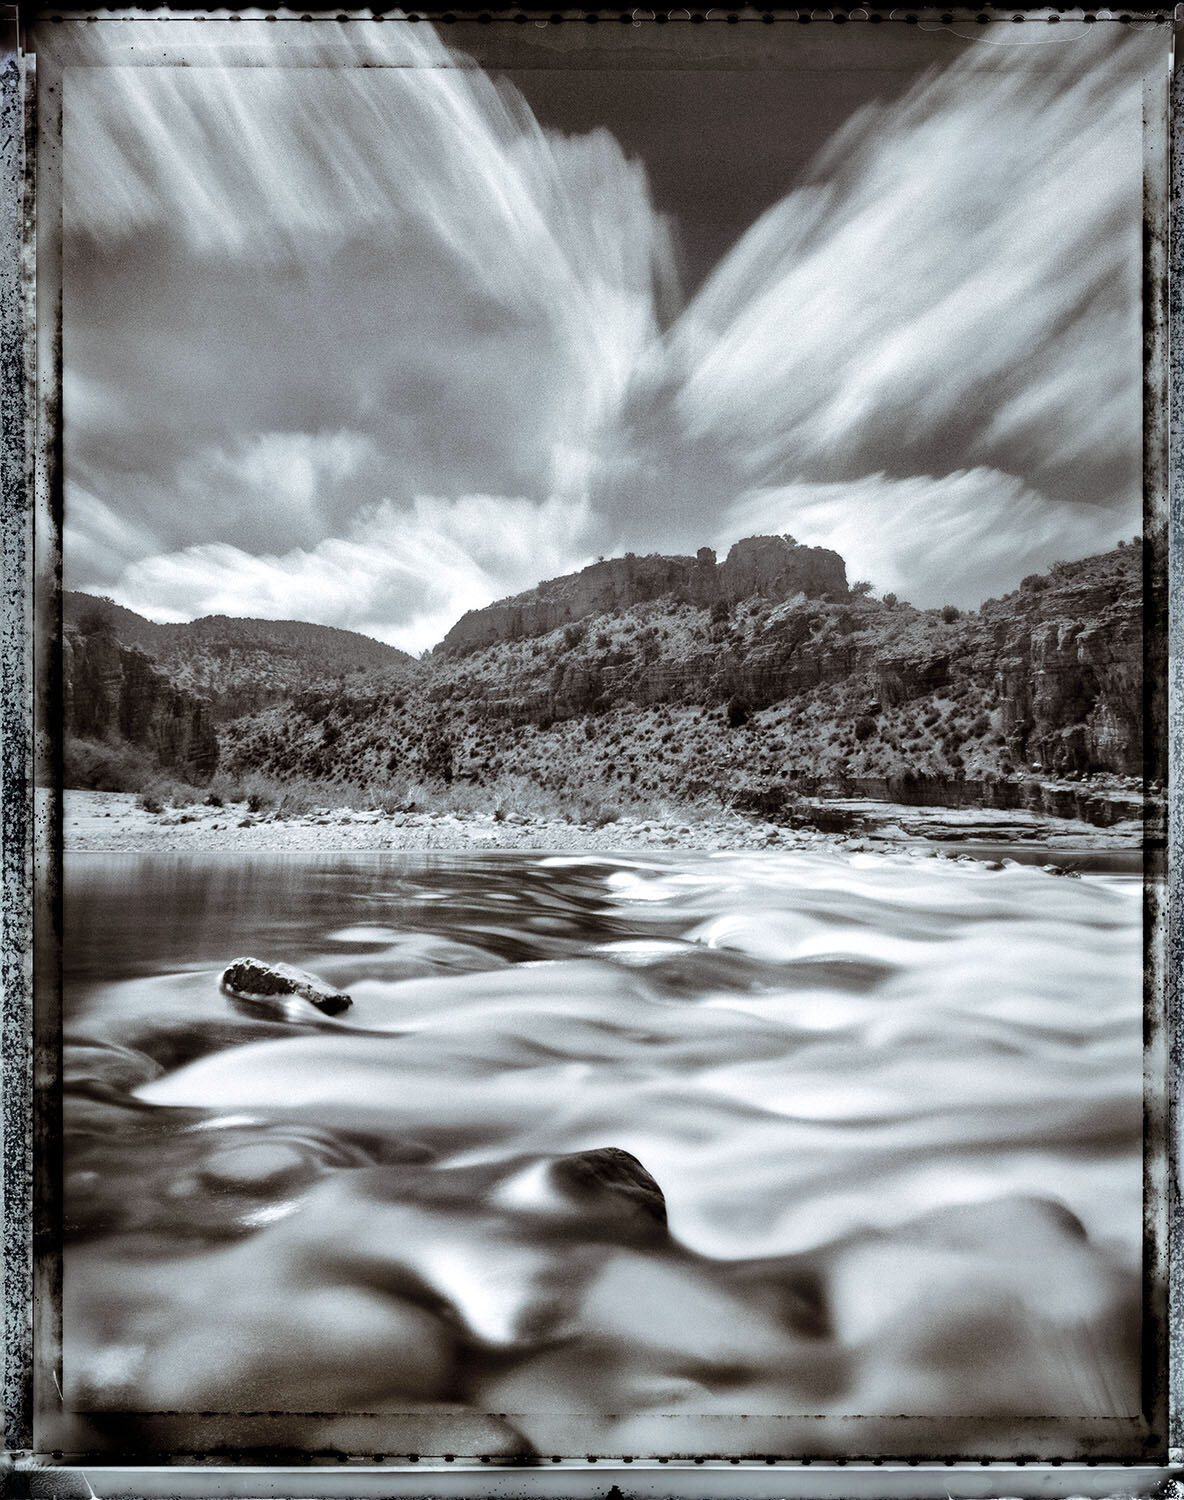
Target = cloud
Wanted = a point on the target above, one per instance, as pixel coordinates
(97, 542)
(403, 577)
(957, 539)
(960, 276)
(955, 286)
(302, 298)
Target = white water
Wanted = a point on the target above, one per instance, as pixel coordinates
(830, 1059)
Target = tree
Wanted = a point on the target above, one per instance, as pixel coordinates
(436, 756)
(890, 601)
(860, 588)
(97, 618)
(949, 613)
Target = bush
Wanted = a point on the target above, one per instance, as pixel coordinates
(1034, 583)
(890, 601)
(436, 756)
(97, 618)
(738, 712)
(865, 727)
(860, 588)
(99, 766)
(949, 613)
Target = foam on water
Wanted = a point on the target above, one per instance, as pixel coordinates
(803, 1049)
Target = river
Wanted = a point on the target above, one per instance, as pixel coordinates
(892, 1104)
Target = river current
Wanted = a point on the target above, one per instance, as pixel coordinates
(892, 1104)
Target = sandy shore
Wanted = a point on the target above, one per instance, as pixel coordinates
(116, 821)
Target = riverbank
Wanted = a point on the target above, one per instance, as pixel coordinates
(118, 821)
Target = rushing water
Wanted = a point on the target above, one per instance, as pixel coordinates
(893, 1104)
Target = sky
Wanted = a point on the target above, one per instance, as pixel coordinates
(373, 345)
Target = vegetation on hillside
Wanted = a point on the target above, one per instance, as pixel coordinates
(666, 701)
(240, 664)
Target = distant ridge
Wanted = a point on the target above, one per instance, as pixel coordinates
(238, 665)
(150, 635)
(641, 678)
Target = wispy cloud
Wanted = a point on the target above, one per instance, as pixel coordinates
(956, 286)
(403, 577)
(299, 300)
(958, 538)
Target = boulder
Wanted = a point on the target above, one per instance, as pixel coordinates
(253, 981)
(611, 1184)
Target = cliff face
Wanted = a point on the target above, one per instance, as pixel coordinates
(113, 692)
(771, 566)
(1069, 673)
(797, 679)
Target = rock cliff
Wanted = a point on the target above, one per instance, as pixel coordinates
(1069, 667)
(775, 567)
(114, 693)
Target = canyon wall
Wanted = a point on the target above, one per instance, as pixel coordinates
(113, 692)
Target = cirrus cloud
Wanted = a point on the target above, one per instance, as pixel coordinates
(401, 577)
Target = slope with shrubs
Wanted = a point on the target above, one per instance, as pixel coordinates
(239, 664)
(664, 702)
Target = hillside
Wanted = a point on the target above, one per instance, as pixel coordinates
(774, 567)
(239, 665)
(741, 700)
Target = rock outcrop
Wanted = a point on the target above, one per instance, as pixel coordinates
(1069, 674)
(114, 693)
(271, 987)
(790, 677)
(772, 566)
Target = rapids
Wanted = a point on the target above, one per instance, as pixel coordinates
(893, 1104)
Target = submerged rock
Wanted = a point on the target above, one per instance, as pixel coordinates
(250, 979)
(611, 1183)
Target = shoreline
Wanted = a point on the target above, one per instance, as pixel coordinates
(114, 822)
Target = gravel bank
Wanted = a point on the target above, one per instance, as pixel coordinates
(115, 821)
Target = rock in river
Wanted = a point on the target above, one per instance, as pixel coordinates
(611, 1185)
(251, 980)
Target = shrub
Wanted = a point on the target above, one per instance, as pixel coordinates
(949, 613)
(436, 756)
(101, 766)
(738, 712)
(150, 803)
(890, 601)
(1034, 583)
(860, 588)
(97, 618)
